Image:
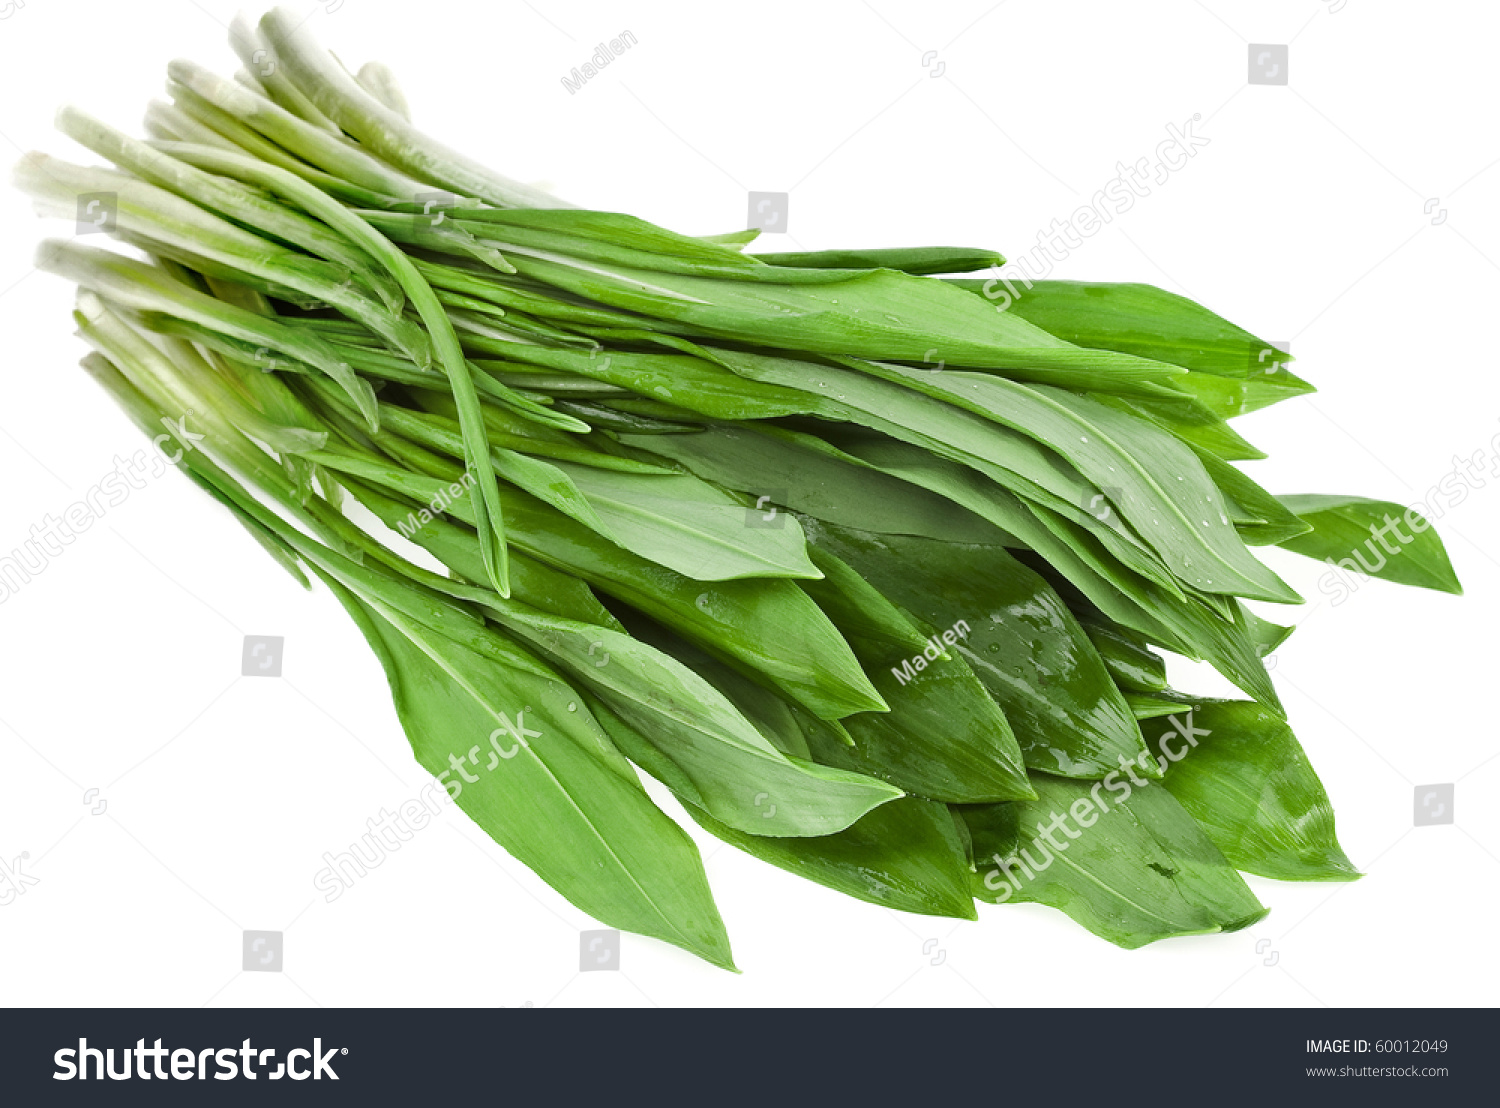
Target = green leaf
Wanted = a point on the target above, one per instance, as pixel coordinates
(1227, 397)
(1129, 660)
(687, 525)
(136, 285)
(1152, 479)
(1151, 706)
(782, 724)
(685, 380)
(767, 625)
(810, 477)
(1140, 869)
(1181, 624)
(1191, 422)
(944, 738)
(1022, 643)
(1249, 784)
(877, 313)
(456, 547)
(904, 855)
(605, 237)
(1259, 517)
(1011, 459)
(917, 260)
(735, 773)
(1366, 536)
(567, 805)
(563, 801)
(1266, 635)
(1142, 320)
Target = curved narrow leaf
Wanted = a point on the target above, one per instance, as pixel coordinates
(688, 381)
(916, 260)
(782, 724)
(904, 854)
(1191, 422)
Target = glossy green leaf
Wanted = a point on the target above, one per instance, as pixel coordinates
(1126, 861)
(1374, 537)
(904, 855)
(781, 723)
(1129, 660)
(502, 733)
(1182, 625)
(687, 525)
(768, 625)
(1228, 397)
(1012, 459)
(685, 380)
(736, 773)
(1021, 642)
(1259, 517)
(792, 472)
(1249, 784)
(1191, 422)
(1158, 474)
(1154, 705)
(876, 313)
(1142, 320)
(565, 808)
(919, 260)
(944, 738)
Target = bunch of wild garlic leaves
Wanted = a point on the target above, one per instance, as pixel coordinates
(875, 577)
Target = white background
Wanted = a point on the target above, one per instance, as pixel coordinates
(1304, 220)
